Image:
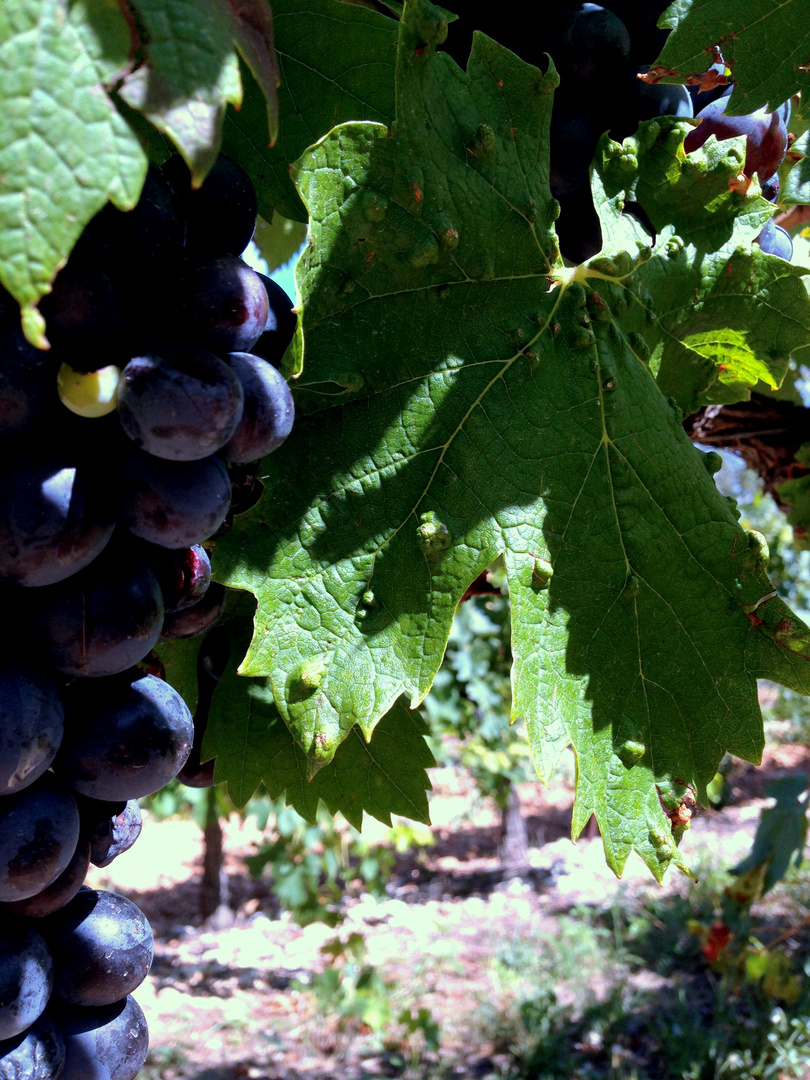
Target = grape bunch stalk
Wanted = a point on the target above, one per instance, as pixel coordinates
(122, 446)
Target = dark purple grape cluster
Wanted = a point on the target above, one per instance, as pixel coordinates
(122, 446)
(599, 52)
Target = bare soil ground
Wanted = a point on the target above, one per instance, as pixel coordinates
(228, 1000)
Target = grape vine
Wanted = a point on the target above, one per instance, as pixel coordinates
(516, 288)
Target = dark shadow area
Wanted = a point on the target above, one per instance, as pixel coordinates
(208, 978)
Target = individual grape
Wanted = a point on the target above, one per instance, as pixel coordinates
(774, 240)
(32, 721)
(590, 47)
(102, 948)
(184, 574)
(82, 314)
(195, 620)
(182, 407)
(55, 514)
(765, 132)
(39, 831)
(108, 1042)
(35, 1054)
(90, 394)
(641, 19)
(26, 975)
(222, 304)
(27, 381)
(280, 327)
(152, 233)
(221, 213)
(112, 827)
(143, 242)
(174, 504)
(268, 414)
(59, 892)
(124, 737)
(102, 620)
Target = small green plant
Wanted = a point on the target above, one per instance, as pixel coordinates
(313, 868)
(355, 1001)
(351, 991)
(164, 1062)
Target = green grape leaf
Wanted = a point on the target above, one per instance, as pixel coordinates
(705, 345)
(762, 75)
(252, 27)
(465, 395)
(795, 494)
(180, 656)
(64, 150)
(252, 745)
(189, 74)
(179, 659)
(247, 738)
(278, 240)
(382, 777)
(696, 194)
(336, 63)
